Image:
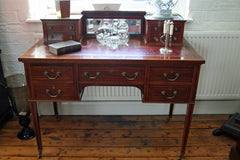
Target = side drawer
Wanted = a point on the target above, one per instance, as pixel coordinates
(178, 27)
(51, 73)
(155, 38)
(177, 38)
(112, 74)
(171, 75)
(160, 93)
(156, 26)
(61, 26)
(61, 36)
(52, 91)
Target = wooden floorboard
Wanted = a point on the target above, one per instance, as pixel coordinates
(118, 138)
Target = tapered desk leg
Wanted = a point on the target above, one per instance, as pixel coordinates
(35, 120)
(170, 112)
(56, 111)
(187, 124)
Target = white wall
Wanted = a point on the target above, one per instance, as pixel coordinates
(214, 15)
(16, 36)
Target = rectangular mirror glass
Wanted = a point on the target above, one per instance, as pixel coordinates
(93, 24)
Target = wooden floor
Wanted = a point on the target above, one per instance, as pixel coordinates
(118, 138)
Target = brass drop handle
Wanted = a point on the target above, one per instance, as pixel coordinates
(171, 79)
(155, 28)
(164, 93)
(50, 27)
(175, 29)
(124, 74)
(53, 96)
(95, 77)
(70, 37)
(174, 38)
(58, 74)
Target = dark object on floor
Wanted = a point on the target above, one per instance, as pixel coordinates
(27, 132)
(235, 151)
(231, 126)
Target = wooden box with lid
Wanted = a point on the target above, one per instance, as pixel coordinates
(62, 29)
(154, 30)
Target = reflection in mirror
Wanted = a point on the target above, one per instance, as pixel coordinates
(134, 25)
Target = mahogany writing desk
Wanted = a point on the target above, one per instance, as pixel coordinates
(162, 78)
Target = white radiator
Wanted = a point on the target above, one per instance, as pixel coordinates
(219, 76)
(109, 93)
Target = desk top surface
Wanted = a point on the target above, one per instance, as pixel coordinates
(91, 50)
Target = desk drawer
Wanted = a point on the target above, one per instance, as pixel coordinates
(156, 26)
(60, 36)
(178, 27)
(113, 74)
(53, 91)
(52, 73)
(155, 38)
(63, 26)
(169, 93)
(171, 75)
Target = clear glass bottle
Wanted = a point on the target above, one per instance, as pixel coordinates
(104, 31)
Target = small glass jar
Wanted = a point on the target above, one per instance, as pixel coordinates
(123, 37)
(103, 32)
(123, 25)
(113, 42)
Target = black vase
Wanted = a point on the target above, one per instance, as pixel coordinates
(27, 132)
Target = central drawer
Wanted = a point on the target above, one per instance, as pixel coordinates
(118, 75)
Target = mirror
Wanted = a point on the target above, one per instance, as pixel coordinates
(134, 25)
